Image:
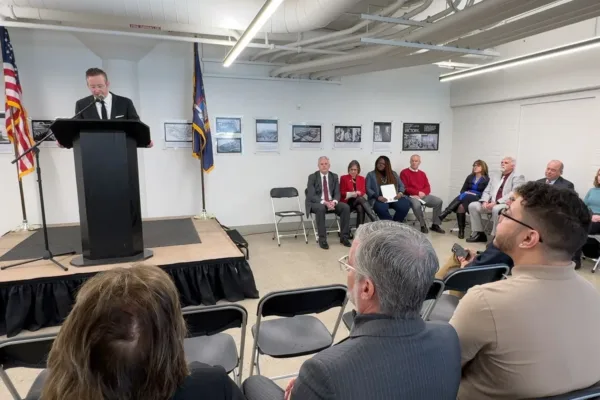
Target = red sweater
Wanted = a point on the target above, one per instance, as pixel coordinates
(415, 182)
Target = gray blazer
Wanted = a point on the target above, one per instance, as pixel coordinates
(513, 181)
(561, 183)
(314, 189)
(385, 358)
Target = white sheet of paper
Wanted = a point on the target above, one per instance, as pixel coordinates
(389, 192)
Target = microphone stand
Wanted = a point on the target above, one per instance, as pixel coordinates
(48, 255)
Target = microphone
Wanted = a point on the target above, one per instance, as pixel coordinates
(100, 97)
(97, 99)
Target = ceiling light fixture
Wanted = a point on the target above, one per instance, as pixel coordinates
(267, 10)
(525, 59)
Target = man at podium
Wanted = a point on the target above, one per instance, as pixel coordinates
(108, 105)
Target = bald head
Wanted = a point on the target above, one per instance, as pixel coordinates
(554, 170)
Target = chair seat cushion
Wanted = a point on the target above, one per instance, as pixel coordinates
(444, 308)
(292, 337)
(219, 349)
(289, 213)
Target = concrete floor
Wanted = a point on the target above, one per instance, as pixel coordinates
(293, 265)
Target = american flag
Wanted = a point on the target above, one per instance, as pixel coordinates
(16, 116)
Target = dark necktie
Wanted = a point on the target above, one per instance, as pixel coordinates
(325, 189)
(104, 113)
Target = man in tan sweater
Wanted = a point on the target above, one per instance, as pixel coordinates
(532, 335)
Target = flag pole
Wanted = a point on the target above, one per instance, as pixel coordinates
(24, 227)
(203, 215)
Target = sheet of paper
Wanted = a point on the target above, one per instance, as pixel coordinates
(389, 192)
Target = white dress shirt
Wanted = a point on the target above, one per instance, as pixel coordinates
(328, 187)
(107, 104)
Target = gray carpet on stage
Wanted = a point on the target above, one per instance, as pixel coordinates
(63, 239)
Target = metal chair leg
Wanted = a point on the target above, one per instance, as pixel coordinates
(596, 265)
(9, 385)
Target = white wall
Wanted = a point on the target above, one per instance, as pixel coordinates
(536, 112)
(52, 66)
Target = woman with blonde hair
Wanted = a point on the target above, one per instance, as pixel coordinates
(471, 191)
(123, 340)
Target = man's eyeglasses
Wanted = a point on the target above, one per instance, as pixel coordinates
(344, 266)
(505, 215)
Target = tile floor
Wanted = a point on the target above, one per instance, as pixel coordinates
(293, 265)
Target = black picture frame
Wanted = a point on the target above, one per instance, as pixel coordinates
(229, 145)
(312, 133)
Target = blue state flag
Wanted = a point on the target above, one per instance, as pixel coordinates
(201, 137)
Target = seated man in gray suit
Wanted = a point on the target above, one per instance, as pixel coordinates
(323, 195)
(494, 198)
(554, 171)
(391, 353)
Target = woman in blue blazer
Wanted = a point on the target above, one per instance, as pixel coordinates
(384, 175)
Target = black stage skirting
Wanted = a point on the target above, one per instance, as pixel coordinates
(37, 303)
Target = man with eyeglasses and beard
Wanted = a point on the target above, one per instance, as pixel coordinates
(528, 336)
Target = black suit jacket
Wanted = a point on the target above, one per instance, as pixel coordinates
(122, 107)
(314, 189)
(560, 183)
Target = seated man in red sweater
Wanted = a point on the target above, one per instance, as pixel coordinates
(417, 187)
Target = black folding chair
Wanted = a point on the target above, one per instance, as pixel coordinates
(207, 344)
(296, 334)
(435, 291)
(29, 351)
(462, 280)
(287, 193)
(592, 392)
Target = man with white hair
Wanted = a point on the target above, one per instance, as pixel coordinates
(494, 198)
(391, 353)
(323, 196)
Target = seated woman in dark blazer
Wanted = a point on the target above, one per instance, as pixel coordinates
(124, 340)
(354, 192)
(384, 175)
(471, 191)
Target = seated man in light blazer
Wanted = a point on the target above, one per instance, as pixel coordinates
(323, 195)
(494, 198)
(554, 171)
(391, 353)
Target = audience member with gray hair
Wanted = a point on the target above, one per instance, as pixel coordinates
(391, 353)
(494, 198)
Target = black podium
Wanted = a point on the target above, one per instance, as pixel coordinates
(108, 187)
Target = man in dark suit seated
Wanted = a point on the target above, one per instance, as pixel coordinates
(554, 171)
(109, 105)
(391, 352)
(323, 195)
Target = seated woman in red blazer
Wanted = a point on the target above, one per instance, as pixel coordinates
(353, 190)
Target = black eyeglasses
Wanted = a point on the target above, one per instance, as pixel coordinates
(505, 215)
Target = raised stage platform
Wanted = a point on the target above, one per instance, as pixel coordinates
(207, 268)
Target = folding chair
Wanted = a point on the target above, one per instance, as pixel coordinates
(328, 229)
(287, 193)
(205, 342)
(596, 260)
(462, 280)
(295, 334)
(29, 351)
(592, 392)
(435, 291)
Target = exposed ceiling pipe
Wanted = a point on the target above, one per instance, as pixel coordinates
(454, 26)
(389, 9)
(355, 39)
(553, 18)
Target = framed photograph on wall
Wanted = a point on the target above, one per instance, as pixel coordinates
(347, 136)
(3, 135)
(382, 132)
(229, 145)
(39, 129)
(420, 136)
(228, 126)
(306, 133)
(267, 135)
(178, 134)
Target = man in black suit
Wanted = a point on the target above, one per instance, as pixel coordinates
(554, 171)
(323, 195)
(110, 105)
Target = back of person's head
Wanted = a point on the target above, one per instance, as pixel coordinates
(558, 222)
(399, 261)
(123, 340)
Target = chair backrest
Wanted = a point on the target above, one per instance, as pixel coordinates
(26, 351)
(284, 192)
(435, 290)
(210, 320)
(313, 300)
(465, 278)
(592, 392)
